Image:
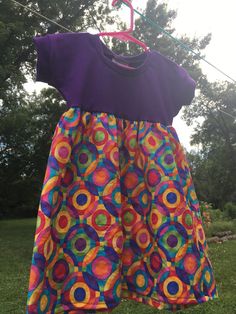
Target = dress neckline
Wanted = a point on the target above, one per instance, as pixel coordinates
(102, 49)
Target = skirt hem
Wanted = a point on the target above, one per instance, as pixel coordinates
(154, 303)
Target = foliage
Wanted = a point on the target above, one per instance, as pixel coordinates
(28, 121)
(217, 215)
(214, 171)
(216, 220)
(218, 226)
(26, 135)
(230, 210)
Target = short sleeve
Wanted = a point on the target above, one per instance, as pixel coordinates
(43, 66)
(182, 87)
(59, 60)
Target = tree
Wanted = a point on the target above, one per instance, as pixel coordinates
(24, 139)
(25, 136)
(215, 163)
(28, 122)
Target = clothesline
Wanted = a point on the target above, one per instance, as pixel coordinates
(180, 42)
(151, 23)
(41, 15)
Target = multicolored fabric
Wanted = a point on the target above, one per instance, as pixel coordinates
(118, 218)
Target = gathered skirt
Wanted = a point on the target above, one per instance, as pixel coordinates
(118, 218)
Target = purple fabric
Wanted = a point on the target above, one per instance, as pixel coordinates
(80, 67)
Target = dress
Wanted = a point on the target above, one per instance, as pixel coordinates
(118, 215)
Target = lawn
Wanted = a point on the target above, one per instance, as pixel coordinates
(16, 241)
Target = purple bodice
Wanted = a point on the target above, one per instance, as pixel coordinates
(86, 73)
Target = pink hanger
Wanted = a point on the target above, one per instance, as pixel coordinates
(125, 35)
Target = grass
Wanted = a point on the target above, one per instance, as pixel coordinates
(16, 241)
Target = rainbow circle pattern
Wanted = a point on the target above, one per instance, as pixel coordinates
(118, 218)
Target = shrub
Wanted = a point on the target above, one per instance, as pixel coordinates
(219, 226)
(216, 214)
(230, 210)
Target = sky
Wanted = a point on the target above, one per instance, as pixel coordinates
(194, 18)
(198, 18)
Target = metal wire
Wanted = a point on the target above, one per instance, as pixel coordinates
(180, 42)
(152, 24)
(44, 17)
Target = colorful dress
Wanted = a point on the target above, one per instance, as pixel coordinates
(118, 216)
